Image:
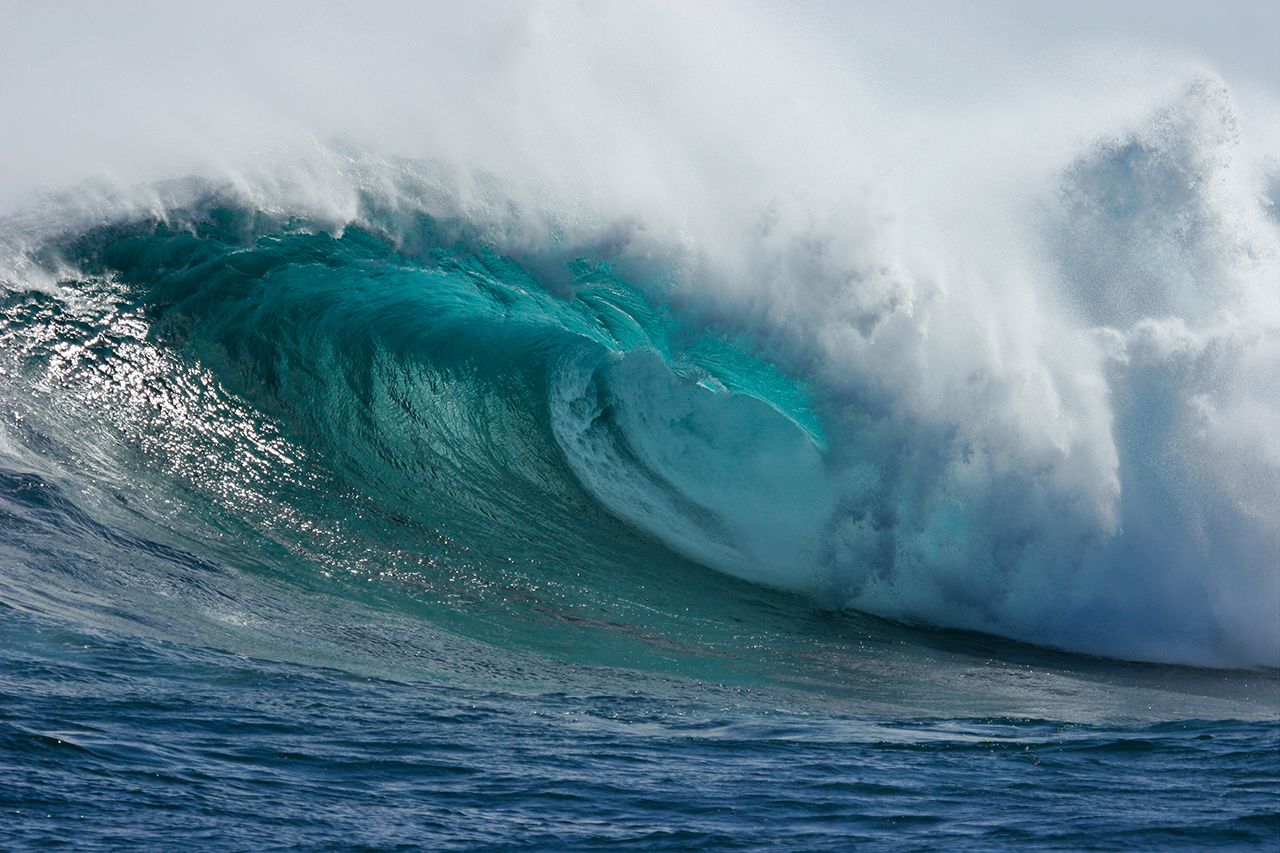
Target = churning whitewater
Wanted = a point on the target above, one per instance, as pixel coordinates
(562, 427)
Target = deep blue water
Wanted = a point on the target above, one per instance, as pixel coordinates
(117, 742)
(317, 540)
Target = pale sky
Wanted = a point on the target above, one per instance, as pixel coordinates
(137, 89)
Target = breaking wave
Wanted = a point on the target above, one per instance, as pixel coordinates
(1049, 412)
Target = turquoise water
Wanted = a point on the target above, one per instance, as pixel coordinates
(386, 536)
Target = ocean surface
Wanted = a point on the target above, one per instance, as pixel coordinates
(573, 427)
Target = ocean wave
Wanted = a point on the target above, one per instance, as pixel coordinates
(1090, 468)
(989, 345)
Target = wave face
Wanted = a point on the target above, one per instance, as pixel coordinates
(1091, 467)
